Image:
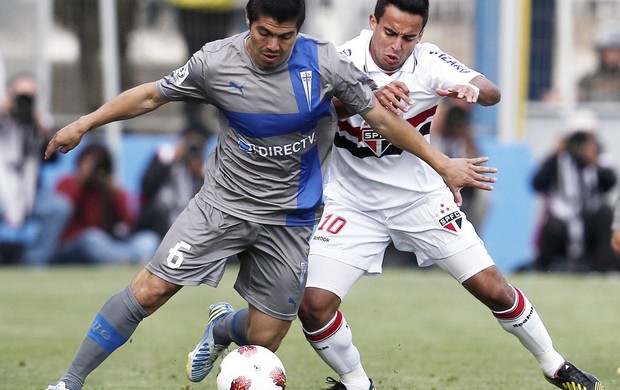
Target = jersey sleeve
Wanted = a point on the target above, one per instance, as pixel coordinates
(186, 83)
(445, 70)
(351, 86)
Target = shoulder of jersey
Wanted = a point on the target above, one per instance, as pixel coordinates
(355, 49)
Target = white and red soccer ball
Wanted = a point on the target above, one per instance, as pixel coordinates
(251, 367)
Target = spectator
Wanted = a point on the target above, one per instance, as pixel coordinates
(574, 181)
(453, 136)
(172, 178)
(100, 231)
(31, 222)
(615, 230)
(603, 84)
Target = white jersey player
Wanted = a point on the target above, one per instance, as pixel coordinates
(379, 194)
(273, 88)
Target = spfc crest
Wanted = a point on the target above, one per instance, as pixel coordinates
(373, 140)
(449, 217)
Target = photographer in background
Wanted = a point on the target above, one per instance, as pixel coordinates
(172, 178)
(615, 230)
(100, 231)
(31, 222)
(574, 235)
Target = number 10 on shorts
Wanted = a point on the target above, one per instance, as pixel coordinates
(333, 224)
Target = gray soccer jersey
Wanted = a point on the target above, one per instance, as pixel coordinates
(276, 127)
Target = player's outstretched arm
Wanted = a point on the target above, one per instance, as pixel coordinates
(456, 172)
(479, 90)
(129, 104)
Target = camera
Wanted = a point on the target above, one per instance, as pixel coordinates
(23, 108)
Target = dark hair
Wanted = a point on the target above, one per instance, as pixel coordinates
(576, 140)
(280, 10)
(416, 7)
(104, 164)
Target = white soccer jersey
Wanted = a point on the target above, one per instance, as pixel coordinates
(366, 169)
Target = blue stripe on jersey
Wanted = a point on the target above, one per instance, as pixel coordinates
(304, 71)
(104, 334)
(310, 193)
(303, 68)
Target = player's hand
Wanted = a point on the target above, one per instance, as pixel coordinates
(392, 96)
(466, 172)
(65, 139)
(465, 92)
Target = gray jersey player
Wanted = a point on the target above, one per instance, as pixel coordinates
(273, 88)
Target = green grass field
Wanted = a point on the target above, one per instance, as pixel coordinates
(415, 329)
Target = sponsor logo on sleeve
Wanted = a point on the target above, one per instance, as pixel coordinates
(179, 75)
(453, 62)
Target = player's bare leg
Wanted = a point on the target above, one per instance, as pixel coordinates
(225, 326)
(516, 315)
(115, 323)
(329, 334)
(265, 330)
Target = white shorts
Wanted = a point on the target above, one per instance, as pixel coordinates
(433, 228)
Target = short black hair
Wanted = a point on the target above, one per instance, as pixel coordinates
(103, 156)
(416, 7)
(280, 10)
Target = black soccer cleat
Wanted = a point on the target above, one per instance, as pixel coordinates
(339, 386)
(569, 377)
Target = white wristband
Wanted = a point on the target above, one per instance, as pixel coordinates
(475, 88)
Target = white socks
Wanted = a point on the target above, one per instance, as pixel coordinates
(523, 321)
(334, 344)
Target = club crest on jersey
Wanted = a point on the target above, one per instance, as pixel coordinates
(306, 80)
(373, 140)
(449, 217)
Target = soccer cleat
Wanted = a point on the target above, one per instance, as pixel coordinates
(58, 386)
(339, 386)
(569, 377)
(200, 361)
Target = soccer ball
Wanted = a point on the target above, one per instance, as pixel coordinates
(251, 367)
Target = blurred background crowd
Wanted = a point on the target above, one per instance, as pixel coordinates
(555, 136)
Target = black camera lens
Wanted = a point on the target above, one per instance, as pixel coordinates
(24, 107)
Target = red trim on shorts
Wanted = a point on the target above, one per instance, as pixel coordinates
(517, 311)
(331, 329)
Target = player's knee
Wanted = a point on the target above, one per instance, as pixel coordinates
(268, 338)
(152, 292)
(490, 288)
(500, 298)
(317, 308)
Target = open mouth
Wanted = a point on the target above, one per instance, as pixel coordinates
(270, 58)
(391, 59)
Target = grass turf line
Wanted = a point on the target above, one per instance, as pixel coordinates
(415, 329)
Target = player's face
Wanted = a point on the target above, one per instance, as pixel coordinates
(394, 37)
(270, 42)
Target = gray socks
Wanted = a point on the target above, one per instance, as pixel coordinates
(114, 324)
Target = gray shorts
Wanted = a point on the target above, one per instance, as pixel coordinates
(273, 259)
